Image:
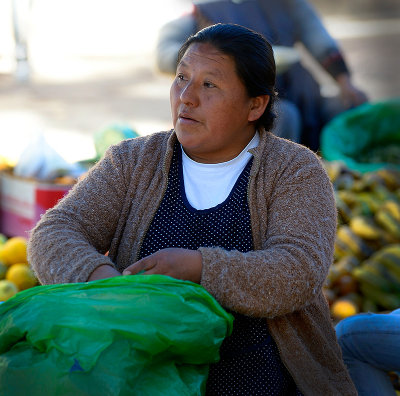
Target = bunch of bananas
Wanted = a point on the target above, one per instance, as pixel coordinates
(379, 278)
(366, 268)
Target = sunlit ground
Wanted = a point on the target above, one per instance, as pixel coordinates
(73, 41)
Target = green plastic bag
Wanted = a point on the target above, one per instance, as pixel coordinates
(128, 335)
(366, 138)
(112, 135)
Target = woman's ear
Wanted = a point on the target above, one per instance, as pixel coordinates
(257, 107)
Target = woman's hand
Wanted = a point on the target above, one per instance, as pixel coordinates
(178, 263)
(103, 272)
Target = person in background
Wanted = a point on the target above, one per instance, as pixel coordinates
(370, 344)
(222, 202)
(303, 110)
(21, 12)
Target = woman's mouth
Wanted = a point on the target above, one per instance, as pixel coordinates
(186, 119)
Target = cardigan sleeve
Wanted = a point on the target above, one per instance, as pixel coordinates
(70, 240)
(294, 214)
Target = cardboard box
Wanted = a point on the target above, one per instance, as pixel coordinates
(23, 201)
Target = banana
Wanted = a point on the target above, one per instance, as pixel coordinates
(372, 179)
(368, 274)
(393, 248)
(350, 198)
(334, 169)
(348, 263)
(365, 227)
(344, 181)
(359, 185)
(342, 250)
(393, 208)
(354, 243)
(343, 266)
(389, 275)
(389, 256)
(388, 222)
(344, 211)
(383, 193)
(369, 201)
(387, 301)
(390, 176)
(387, 238)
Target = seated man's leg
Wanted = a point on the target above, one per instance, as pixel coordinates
(371, 347)
(288, 121)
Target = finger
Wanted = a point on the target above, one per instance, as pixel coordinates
(134, 268)
(148, 269)
(151, 271)
(142, 265)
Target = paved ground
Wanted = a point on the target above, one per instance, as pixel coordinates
(84, 79)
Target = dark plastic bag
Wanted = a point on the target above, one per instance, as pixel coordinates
(128, 335)
(356, 136)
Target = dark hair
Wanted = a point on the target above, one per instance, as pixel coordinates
(253, 57)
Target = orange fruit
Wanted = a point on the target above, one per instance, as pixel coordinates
(7, 290)
(343, 308)
(22, 276)
(14, 251)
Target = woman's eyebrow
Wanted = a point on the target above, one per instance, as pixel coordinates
(211, 72)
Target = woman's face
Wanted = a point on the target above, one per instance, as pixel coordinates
(211, 110)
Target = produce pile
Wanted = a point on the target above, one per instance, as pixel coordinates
(389, 153)
(365, 275)
(15, 272)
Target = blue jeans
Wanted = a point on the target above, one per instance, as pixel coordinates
(371, 347)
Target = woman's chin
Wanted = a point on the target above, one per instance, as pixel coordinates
(188, 144)
(186, 136)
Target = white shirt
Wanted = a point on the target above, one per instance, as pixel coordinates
(207, 185)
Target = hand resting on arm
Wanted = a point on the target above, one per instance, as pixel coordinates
(175, 262)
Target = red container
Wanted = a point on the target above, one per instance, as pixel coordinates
(23, 201)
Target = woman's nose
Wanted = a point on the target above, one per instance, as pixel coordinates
(189, 95)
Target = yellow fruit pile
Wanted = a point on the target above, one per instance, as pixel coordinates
(365, 275)
(15, 272)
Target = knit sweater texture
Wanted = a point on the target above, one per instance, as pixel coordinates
(293, 219)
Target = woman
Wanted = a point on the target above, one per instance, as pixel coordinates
(370, 344)
(302, 109)
(222, 202)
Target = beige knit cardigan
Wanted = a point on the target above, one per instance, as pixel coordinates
(293, 220)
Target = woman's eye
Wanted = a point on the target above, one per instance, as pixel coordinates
(208, 84)
(180, 77)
